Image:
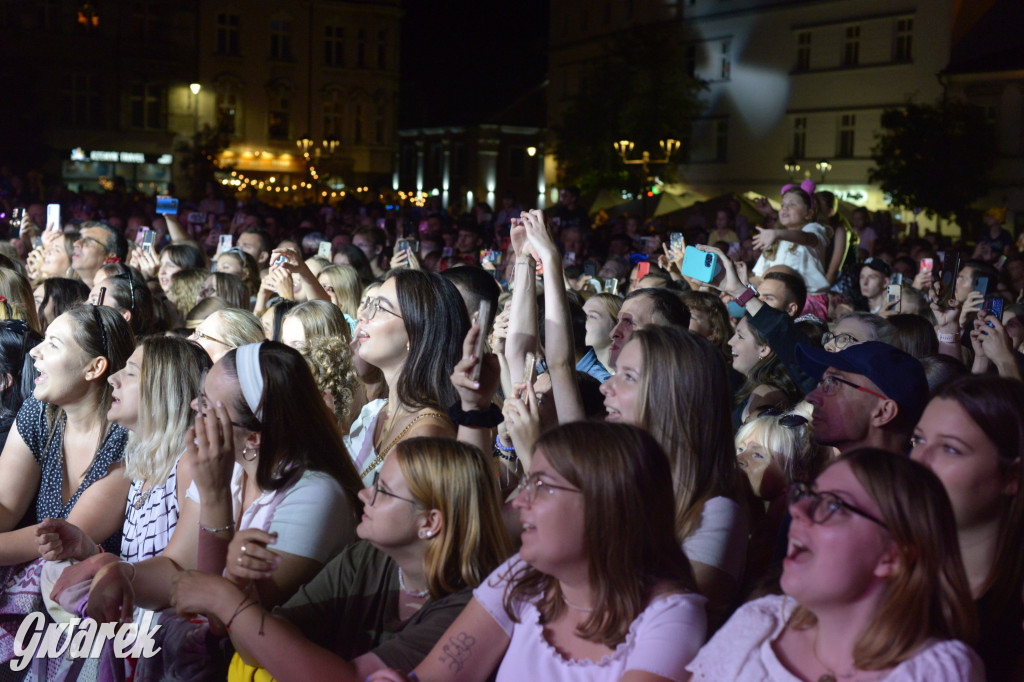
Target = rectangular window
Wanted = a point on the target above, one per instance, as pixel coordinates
(279, 119)
(722, 139)
(334, 46)
(902, 48)
(803, 51)
(725, 63)
(145, 106)
(227, 110)
(227, 34)
(281, 39)
(800, 137)
(382, 49)
(517, 162)
(847, 124)
(851, 46)
(80, 101)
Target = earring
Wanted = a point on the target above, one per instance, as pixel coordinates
(425, 534)
(406, 346)
(250, 453)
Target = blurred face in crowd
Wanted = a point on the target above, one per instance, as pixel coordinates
(292, 333)
(55, 260)
(90, 252)
(848, 331)
(767, 480)
(252, 244)
(167, 270)
(229, 265)
(746, 351)
(964, 284)
(636, 313)
(599, 324)
(366, 245)
(210, 335)
(872, 283)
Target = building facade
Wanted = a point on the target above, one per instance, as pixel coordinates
(795, 89)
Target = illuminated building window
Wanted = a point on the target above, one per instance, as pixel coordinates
(803, 51)
(851, 46)
(334, 46)
(87, 16)
(847, 124)
(146, 106)
(281, 39)
(800, 137)
(902, 48)
(227, 33)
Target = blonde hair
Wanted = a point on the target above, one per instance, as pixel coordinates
(330, 360)
(184, 289)
(168, 383)
(792, 448)
(347, 287)
(239, 327)
(320, 319)
(457, 480)
(16, 288)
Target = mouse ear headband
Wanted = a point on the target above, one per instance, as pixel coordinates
(807, 186)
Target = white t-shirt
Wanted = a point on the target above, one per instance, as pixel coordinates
(742, 651)
(810, 262)
(721, 539)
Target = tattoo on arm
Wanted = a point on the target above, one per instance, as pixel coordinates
(457, 650)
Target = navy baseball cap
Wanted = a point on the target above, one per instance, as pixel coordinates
(899, 375)
(878, 265)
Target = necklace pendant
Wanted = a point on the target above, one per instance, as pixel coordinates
(827, 677)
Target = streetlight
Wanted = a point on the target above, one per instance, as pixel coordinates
(304, 143)
(792, 167)
(823, 167)
(668, 147)
(195, 88)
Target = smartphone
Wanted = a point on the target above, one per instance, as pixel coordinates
(484, 318)
(196, 218)
(981, 285)
(950, 270)
(148, 237)
(140, 234)
(590, 268)
(279, 261)
(701, 266)
(677, 242)
(17, 221)
(166, 205)
(994, 306)
(447, 252)
(53, 217)
(896, 278)
(611, 286)
(323, 250)
(927, 265)
(225, 242)
(893, 294)
(570, 258)
(529, 370)
(643, 268)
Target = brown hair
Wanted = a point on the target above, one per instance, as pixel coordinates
(458, 480)
(928, 597)
(629, 530)
(718, 317)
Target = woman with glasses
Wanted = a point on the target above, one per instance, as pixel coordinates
(255, 473)
(972, 438)
(600, 589)
(873, 585)
(431, 532)
(856, 328)
(673, 384)
(63, 459)
(225, 330)
(411, 329)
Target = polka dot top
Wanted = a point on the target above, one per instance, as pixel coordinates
(49, 453)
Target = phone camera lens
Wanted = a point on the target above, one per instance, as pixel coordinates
(707, 261)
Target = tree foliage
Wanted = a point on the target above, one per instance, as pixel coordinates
(934, 157)
(638, 90)
(197, 160)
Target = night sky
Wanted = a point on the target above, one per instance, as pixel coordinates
(464, 61)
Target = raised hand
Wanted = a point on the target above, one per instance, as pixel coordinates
(476, 395)
(210, 447)
(764, 238)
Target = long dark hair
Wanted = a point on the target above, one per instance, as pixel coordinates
(626, 483)
(436, 322)
(771, 372)
(16, 340)
(290, 399)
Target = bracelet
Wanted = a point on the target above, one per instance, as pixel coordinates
(499, 446)
(508, 458)
(131, 566)
(946, 338)
(478, 419)
(217, 530)
(242, 606)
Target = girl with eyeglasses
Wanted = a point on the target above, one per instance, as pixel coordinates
(431, 531)
(64, 458)
(972, 438)
(411, 329)
(873, 586)
(599, 590)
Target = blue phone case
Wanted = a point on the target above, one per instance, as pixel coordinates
(701, 266)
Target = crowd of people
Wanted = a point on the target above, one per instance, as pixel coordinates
(391, 443)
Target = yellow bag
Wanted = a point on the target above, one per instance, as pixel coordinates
(240, 671)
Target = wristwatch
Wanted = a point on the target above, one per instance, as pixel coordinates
(750, 293)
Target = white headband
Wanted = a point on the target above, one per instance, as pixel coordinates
(247, 365)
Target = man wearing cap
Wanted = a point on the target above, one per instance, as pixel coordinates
(870, 394)
(875, 276)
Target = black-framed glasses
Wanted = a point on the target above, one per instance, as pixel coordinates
(532, 485)
(829, 385)
(131, 287)
(83, 239)
(840, 341)
(824, 504)
(373, 305)
(377, 490)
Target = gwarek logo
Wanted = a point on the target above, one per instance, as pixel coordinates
(82, 638)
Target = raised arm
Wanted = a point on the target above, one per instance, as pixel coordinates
(522, 324)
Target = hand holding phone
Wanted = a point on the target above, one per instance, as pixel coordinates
(166, 205)
(484, 317)
(700, 265)
(53, 223)
(323, 250)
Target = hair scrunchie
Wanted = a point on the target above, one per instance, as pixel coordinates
(247, 364)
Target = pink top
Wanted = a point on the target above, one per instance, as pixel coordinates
(662, 639)
(742, 651)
